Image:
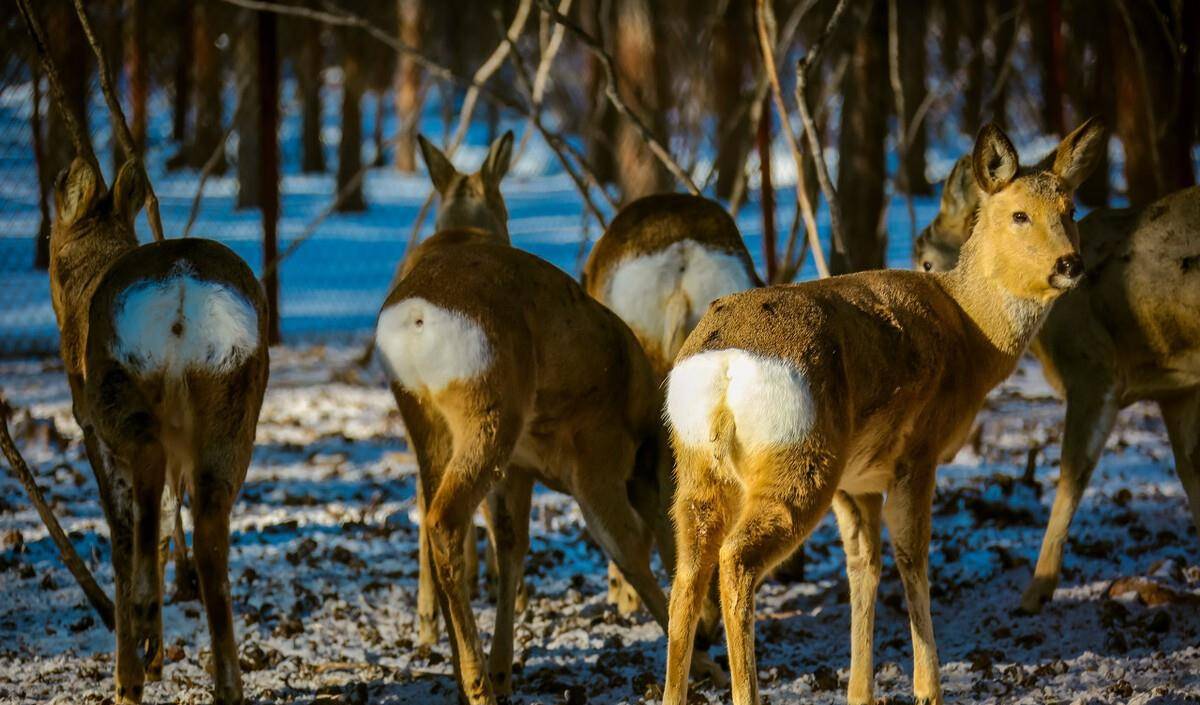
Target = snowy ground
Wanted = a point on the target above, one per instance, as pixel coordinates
(324, 571)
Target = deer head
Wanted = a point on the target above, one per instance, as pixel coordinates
(471, 200)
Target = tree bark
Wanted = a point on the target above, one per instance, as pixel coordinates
(268, 160)
(768, 190)
(248, 59)
(207, 132)
(309, 62)
(639, 173)
(914, 20)
(350, 147)
(732, 53)
(861, 169)
(408, 94)
(1092, 90)
(972, 18)
(1155, 103)
(137, 70)
(1046, 28)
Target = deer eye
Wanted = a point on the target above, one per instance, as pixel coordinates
(1021, 218)
(927, 265)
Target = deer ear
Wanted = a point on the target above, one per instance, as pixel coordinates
(994, 160)
(958, 193)
(129, 191)
(76, 190)
(441, 171)
(495, 165)
(1080, 152)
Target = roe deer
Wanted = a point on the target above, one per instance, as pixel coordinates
(165, 348)
(1128, 333)
(789, 399)
(661, 262)
(506, 373)
(470, 201)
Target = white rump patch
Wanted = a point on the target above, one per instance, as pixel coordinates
(641, 288)
(183, 322)
(769, 399)
(426, 347)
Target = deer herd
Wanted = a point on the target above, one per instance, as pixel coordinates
(686, 408)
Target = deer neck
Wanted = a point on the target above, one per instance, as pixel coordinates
(1007, 320)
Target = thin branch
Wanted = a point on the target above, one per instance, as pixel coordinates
(901, 127)
(485, 71)
(614, 96)
(810, 129)
(119, 125)
(210, 164)
(765, 25)
(1006, 65)
(66, 551)
(542, 76)
(79, 137)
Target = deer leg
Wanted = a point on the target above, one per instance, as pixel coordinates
(1182, 417)
(908, 514)
(427, 599)
(700, 513)
(508, 526)
(117, 496)
(187, 587)
(149, 475)
(212, 499)
(858, 521)
(1091, 413)
(465, 482)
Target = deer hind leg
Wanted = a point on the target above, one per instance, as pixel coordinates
(148, 474)
(508, 526)
(1182, 417)
(115, 479)
(701, 510)
(1091, 413)
(650, 492)
(908, 513)
(781, 505)
(427, 598)
(858, 520)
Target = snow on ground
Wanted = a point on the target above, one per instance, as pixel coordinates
(324, 571)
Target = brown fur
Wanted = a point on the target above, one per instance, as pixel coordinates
(1129, 332)
(143, 433)
(898, 364)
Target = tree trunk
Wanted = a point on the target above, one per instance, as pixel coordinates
(309, 62)
(137, 70)
(1046, 28)
(1092, 91)
(1155, 118)
(861, 169)
(206, 131)
(913, 21)
(181, 104)
(732, 53)
(41, 248)
(408, 94)
(972, 18)
(639, 173)
(350, 147)
(248, 60)
(997, 108)
(268, 160)
(768, 191)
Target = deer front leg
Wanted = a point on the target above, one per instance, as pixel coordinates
(130, 673)
(508, 526)
(858, 521)
(427, 599)
(1182, 417)
(1091, 413)
(908, 515)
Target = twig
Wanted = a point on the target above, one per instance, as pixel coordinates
(210, 164)
(541, 77)
(1006, 64)
(120, 126)
(66, 551)
(810, 129)
(614, 96)
(766, 21)
(901, 128)
(79, 138)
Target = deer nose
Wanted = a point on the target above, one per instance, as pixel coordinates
(1070, 266)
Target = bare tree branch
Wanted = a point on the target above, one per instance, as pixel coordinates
(119, 125)
(614, 96)
(66, 552)
(1144, 80)
(79, 137)
(210, 164)
(810, 129)
(541, 77)
(766, 22)
(485, 71)
(901, 128)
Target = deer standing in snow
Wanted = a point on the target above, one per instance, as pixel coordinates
(506, 372)
(1129, 332)
(787, 400)
(165, 347)
(662, 260)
